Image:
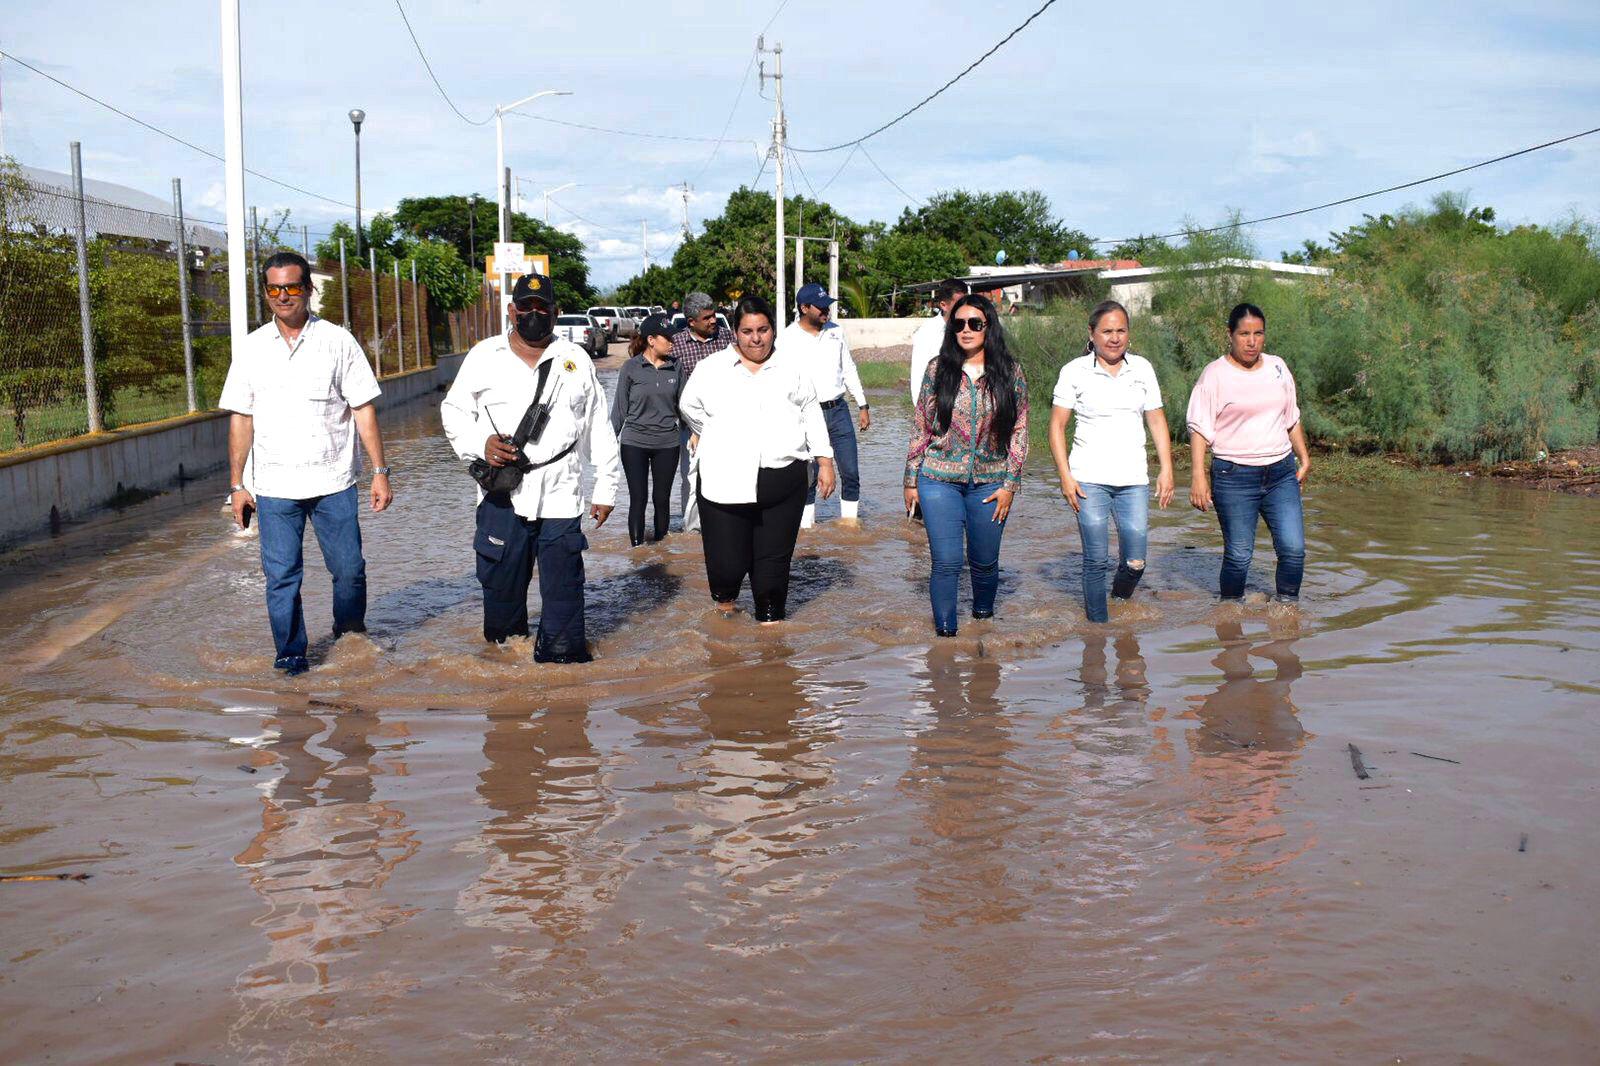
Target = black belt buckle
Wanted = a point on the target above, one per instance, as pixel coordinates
(828, 405)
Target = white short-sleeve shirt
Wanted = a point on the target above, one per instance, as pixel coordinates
(1108, 440)
(300, 397)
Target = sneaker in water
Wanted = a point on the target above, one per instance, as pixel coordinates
(292, 665)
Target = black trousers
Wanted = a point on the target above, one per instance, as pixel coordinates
(755, 539)
(641, 466)
(507, 546)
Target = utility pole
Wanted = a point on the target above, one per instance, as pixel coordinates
(233, 175)
(833, 272)
(686, 233)
(186, 325)
(644, 241)
(778, 133)
(800, 249)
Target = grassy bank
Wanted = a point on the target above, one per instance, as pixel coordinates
(1439, 338)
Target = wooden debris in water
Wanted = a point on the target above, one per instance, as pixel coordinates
(11, 878)
(1436, 758)
(1356, 764)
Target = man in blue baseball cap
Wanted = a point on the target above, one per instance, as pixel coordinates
(819, 344)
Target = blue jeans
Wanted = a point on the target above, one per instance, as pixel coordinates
(1245, 494)
(282, 534)
(842, 435)
(1129, 507)
(953, 512)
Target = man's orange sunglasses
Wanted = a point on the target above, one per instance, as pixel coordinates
(286, 290)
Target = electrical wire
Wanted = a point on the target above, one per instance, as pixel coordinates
(619, 133)
(886, 177)
(802, 172)
(737, 100)
(589, 221)
(429, 67)
(914, 108)
(825, 185)
(765, 159)
(1349, 199)
(170, 136)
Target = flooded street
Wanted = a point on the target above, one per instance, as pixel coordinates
(830, 841)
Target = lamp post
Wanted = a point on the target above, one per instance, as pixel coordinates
(472, 230)
(500, 179)
(357, 117)
(551, 192)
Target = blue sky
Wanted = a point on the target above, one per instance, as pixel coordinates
(1131, 117)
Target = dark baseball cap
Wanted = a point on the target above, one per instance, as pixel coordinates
(536, 286)
(656, 326)
(813, 294)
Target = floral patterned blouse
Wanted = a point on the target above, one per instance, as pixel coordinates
(965, 452)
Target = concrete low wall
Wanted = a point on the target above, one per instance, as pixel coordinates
(43, 488)
(880, 332)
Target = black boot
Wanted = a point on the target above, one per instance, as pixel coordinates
(1125, 581)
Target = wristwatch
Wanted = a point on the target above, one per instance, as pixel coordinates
(381, 470)
(864, 407)
(236, 488)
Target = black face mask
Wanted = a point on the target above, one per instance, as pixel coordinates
(536, 325)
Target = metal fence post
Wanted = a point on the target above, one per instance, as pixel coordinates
(184, 324)
(399, 324)
(377, 338)
(255, 265)
(344, 289)
(91, 388)
(416, 315)
(305, 242)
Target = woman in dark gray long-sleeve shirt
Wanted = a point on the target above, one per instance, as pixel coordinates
(644, 414)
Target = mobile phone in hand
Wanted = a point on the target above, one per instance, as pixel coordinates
(248, 513)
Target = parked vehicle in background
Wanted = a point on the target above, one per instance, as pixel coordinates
(638, 314)
(580, 330)
(602, 336)
(616, 321)
(679, 323)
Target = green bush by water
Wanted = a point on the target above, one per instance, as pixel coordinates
(1443, 340)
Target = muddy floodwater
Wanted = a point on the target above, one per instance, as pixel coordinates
(832, 841)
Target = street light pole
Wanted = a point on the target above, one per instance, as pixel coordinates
(551, 192)
(499, 179)
(357, 117)
(472, 231)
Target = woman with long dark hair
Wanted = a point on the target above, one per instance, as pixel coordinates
(757, 427)
(1113, 395)
(964, 465)
(1246, 411)
(644, 414)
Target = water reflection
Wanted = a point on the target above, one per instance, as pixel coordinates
(1244, 751)
(763, 755)
(963, 777)
(325, 849)
(550, 866)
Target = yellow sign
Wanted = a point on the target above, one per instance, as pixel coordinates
(533, 264)
(734, 294)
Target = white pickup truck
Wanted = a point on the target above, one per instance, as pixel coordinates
(616, 321)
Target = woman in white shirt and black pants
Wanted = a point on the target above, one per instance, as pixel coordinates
(757, 426)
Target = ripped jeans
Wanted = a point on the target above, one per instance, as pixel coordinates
(1129, 507)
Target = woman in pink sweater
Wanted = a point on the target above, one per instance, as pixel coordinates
(1244, 410)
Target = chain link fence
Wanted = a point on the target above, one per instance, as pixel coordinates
(103, 346)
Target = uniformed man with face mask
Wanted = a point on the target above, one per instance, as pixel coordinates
(530, 400)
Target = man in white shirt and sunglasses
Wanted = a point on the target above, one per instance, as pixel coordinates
(820, 348)
(301, 391)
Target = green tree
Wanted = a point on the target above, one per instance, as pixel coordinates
(1021, 223)
(452, 220)
(899, 259)
(41, 355)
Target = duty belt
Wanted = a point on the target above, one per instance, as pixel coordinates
(837, 401)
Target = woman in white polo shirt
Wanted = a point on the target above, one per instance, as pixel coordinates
(1106, 479)
(757, 425)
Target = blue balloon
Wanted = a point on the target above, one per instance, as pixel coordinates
(1072, 256)
(1000, 257)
